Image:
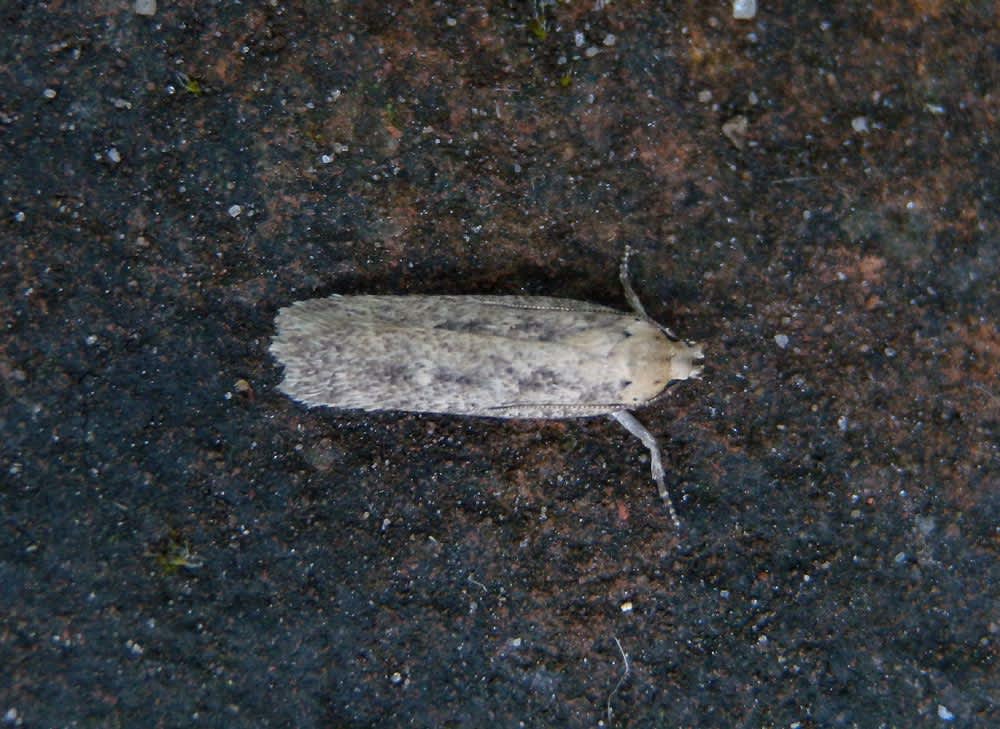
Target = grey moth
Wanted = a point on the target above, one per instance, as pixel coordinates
(483, 356)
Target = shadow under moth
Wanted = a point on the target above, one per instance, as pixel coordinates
(484, 356)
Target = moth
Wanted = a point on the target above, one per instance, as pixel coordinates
(484, 356)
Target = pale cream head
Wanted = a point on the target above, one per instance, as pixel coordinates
(649, 360)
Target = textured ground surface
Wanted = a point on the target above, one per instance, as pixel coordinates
(812, 194)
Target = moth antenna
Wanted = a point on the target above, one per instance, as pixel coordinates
(630, 296)
(633, 299)
(633, 426)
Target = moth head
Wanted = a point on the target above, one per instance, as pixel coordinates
(652, 359)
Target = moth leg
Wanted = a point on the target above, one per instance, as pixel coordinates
(633, 426)
(632, 298)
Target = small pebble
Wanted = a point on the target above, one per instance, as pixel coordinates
(735, 130)
(744, 9)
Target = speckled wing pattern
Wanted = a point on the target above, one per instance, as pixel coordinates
(492, 356)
